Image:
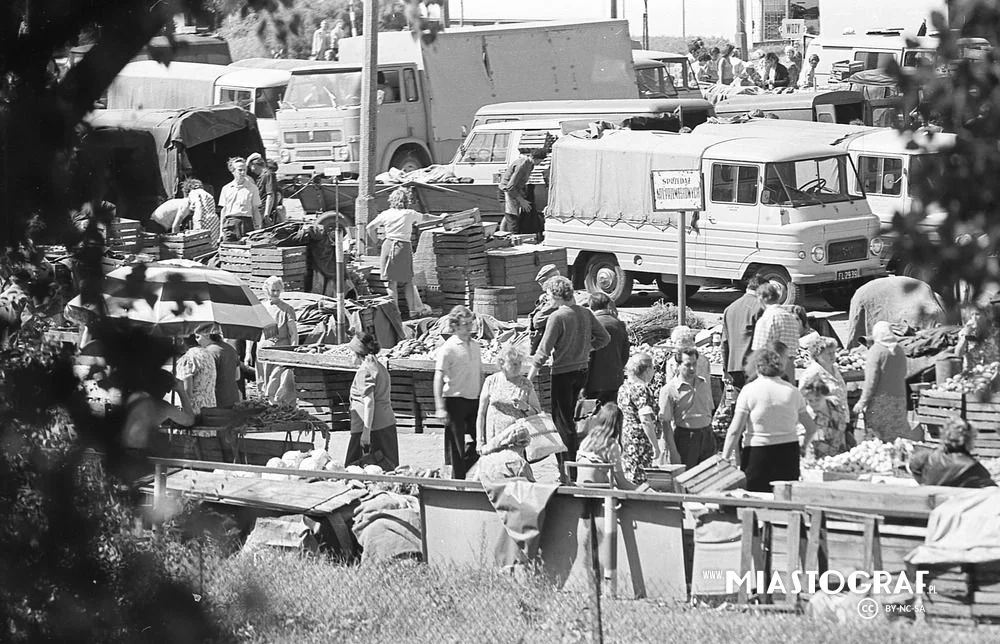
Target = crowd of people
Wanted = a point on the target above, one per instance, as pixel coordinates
(765, 70)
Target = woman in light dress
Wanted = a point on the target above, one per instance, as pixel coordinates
(276, 383)
(507, 397)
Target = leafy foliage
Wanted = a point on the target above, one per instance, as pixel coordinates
(967, 102)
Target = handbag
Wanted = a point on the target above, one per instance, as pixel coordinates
(545, 437)
(724, 413)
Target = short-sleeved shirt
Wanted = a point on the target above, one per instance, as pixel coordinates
(240, 200)
(398, 223)
(227, 364)
(778, 324)
(198, 365)
(462, 366)
(773, 407)
(688, 406)
(371, 381)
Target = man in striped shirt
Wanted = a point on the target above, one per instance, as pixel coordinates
(777, 324)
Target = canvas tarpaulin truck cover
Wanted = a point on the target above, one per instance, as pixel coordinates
(610, 178)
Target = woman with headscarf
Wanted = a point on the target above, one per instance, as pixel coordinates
(883, 398)
(952, 463)
(373, 423)
(825, 392)
(276, 383)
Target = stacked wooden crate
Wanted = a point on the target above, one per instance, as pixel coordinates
(287, 262)
(950, 596)
(124, 235)
(986, 591)
(190, 244)
(235, 258)
(452, 264)
(936, 407)
(325, 394)
(518, 266)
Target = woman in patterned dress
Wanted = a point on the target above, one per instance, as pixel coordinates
(196, 370)
(507, 397)
(883, 398)
(640, 444)
(977, 343)
(825, 392)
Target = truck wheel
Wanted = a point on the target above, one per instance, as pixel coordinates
(791, 292)
(604, 275)
(670, 290)
(407, 161)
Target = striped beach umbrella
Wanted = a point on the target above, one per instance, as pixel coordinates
(176, 297)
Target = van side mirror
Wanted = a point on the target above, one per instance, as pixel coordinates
(767, 196)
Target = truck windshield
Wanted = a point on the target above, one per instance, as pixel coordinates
(808, 182)
(654, 82)
(328, 89)
(265, 103)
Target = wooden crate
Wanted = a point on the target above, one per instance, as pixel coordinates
(865, 496)
(235, 258)
(287, 262)
(935, 408)
(325, 394)
(518, 266)
(714, 474)
(462, 220)
(663, 478)
(124, 234)
(189, 244)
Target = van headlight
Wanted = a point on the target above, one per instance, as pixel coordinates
(340, 153)
(876, 246)
(285, 156)
(818, 253)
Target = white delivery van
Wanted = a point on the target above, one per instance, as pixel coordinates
(886, 162)
(783, 209)
(147, 84)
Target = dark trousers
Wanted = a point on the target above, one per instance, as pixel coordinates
(462, 414)
(234, 228)
(764, 465)
(603, 397)
(511, 224)
(739, 379)
(566, 388)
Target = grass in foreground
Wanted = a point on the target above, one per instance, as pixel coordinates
(287, 597)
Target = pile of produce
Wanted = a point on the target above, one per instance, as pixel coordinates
(656, 323)
(713, 353)
(260, 413)
(851, 360)
(871, 456)
(336, 350)
(979, 379)
(300, 464)
(417, 349)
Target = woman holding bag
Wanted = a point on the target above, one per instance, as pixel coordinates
(507, 397)
(373, 424)
(641, 445)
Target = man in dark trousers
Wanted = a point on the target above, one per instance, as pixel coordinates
(267, 188)
(738, 322)
(571, 334)
(514, 186)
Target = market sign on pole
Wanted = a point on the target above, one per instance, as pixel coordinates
(680, 191)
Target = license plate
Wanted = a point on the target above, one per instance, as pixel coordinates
(852, 274)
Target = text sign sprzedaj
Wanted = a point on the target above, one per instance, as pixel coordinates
(677, 190)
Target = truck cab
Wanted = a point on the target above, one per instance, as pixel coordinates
(888, 163)
(676, 67)
(783, 209)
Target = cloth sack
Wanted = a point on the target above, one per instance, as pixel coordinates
(545, 438)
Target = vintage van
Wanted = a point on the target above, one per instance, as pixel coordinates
(886, 162)
(678, 68)
(823, 106)
(690, 111)
(783, 209)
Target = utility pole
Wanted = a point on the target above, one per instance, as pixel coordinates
(741, 28)
(369, 113)
(645, 24)
(614, 9)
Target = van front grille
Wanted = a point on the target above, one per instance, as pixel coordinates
(852, 250)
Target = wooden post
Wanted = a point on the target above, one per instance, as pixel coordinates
(369, 116)
(596, 625)
(682, 267)
(159, 491)
(741, 28)
(339, 254)
(749, 517)
(794, 552)
(610, 545)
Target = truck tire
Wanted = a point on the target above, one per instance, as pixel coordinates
(407, 160)
(604, 275)
(670, 290)
(779, 277)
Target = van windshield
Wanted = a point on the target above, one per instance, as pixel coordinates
(328, 89)
(808, 182)
(654, 82)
